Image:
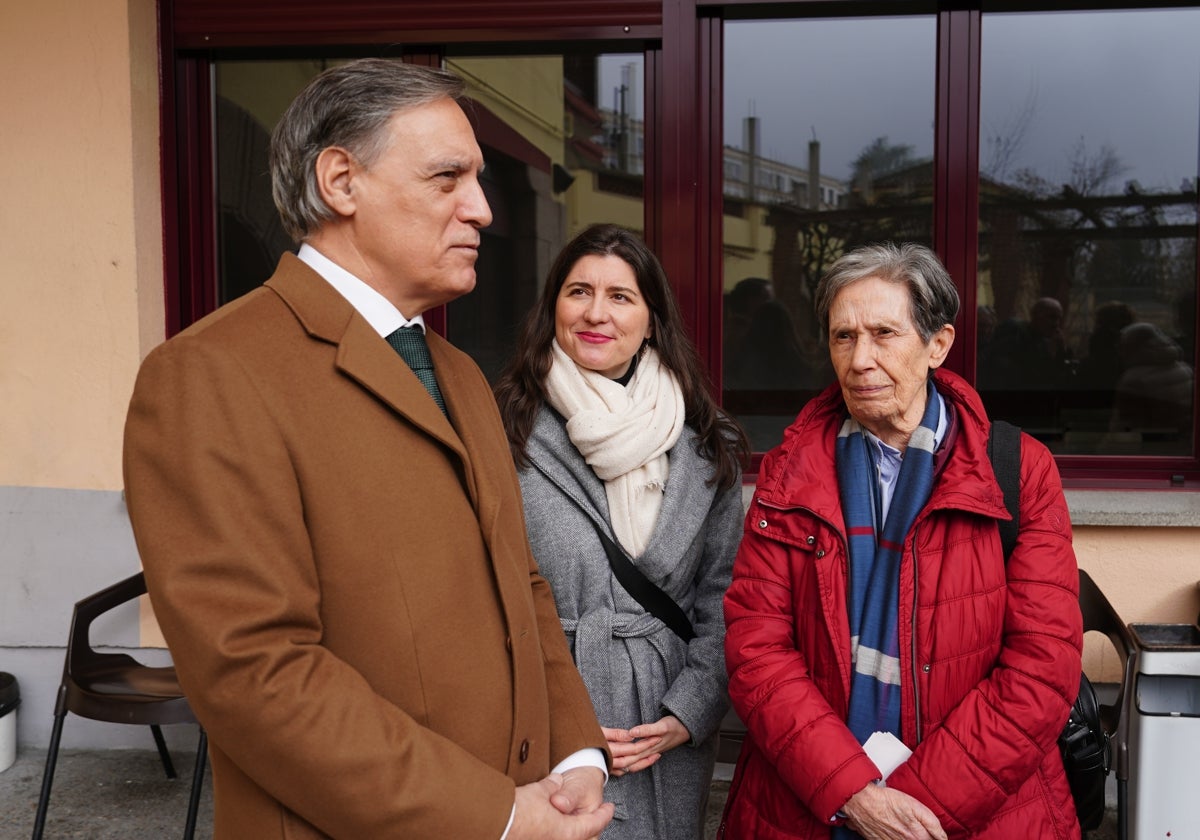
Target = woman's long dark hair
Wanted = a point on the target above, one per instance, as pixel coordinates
(521, 389)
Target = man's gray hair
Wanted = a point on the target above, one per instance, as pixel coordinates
(347, 106)
(932, 296)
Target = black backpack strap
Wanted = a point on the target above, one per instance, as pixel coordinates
(1004, 451)
(658, 603)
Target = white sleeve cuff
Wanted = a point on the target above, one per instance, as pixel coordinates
(590, 757)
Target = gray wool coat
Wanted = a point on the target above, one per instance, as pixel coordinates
(635, 668)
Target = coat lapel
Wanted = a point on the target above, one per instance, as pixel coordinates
(477, 425)
(361, 354)
(557, 458)
(686, 501)
(685, 508)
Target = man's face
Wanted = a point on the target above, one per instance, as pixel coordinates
(419, 208)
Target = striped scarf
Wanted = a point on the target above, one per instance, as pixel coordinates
(875, 565)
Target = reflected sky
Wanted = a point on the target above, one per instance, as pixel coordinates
(1126, 80)
(846, 82)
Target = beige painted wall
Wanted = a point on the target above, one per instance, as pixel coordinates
(81, 255)
(1147, 574)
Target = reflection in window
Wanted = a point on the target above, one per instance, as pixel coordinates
(828, 145)
(251, 97)
(562, 137)
(1087, 249)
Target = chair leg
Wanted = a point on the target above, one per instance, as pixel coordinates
(39, 823)
(1122, 809)
(163, 755)
(197, 785)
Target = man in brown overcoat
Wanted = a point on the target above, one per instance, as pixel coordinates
(339, 565)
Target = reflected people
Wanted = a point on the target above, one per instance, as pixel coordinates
(1029, 355)
(1101, 367)
(738, 308)
(621, 450)
(769, 354)
(1154, 393)
(871, 599)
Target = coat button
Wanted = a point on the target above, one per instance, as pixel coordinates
(762, 523)
(821, 553)
(524, 751)
(811, 540)
(926, 668)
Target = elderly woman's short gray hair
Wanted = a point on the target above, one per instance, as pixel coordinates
(349, 106)
(931, 292)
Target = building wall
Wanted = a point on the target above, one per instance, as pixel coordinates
(81, 302)
(1149, 574)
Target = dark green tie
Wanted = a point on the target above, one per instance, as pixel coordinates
(409, 342)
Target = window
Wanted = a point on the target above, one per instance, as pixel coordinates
(879, 151)
(1086, 305)
(544, 184)
(752, 143)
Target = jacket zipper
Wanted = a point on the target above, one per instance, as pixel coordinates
(913, 643)
(838, 536)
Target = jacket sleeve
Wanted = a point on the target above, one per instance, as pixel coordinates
(698, 694)
(999, 734)
(770, 682)
(573, 723)
(220, 525)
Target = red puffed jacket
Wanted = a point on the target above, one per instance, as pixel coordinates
(989, 652)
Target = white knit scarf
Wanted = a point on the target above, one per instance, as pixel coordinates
(624, 434)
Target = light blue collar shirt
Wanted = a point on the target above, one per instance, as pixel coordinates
(887, 460)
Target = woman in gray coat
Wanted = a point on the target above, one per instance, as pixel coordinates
(617, 439)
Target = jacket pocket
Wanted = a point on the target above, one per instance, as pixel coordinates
(796, 526)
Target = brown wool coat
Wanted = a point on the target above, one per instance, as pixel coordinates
(343, 576)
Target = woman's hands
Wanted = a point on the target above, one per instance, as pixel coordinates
(637, 748)
(879, 813)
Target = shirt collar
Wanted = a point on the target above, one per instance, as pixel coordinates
(378, 311)
(887, 452)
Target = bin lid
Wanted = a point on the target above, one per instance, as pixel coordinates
(1167, 649)
(10, 693)
(1167, 636)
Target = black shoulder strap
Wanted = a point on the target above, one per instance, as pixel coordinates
(1004, 451)
(658, 603)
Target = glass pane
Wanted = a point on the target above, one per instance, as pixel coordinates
(828, 145)
(562, 138)
(251, 97)
(1087, 249)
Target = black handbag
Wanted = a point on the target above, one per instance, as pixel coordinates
(1083, 743)
(656, 602)
(1086, 756)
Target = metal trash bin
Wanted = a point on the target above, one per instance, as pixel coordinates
(1164, 733)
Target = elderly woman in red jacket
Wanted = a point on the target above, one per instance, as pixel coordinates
(897, 677)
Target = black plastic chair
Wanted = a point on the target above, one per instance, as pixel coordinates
(1099, 615)
(116, 688)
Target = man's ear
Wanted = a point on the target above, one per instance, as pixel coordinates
(335, 170)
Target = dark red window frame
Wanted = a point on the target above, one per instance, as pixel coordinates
(683, 188)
